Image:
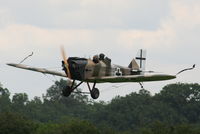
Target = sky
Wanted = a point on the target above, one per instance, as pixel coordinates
(169, 30)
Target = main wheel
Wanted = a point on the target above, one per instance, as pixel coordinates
(95, 93)
(67, 91)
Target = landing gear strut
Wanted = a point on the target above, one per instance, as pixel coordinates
(94, 92)
(69, 89)
(141, 85)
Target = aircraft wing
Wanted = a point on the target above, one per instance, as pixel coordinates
(111, 79)
(132, 78)
(41, 70)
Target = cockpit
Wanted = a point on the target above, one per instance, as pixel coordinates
(101, 57)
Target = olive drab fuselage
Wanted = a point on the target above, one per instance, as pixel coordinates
(82, 69)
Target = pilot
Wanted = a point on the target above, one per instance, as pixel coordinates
(96, 59)
(101, 56)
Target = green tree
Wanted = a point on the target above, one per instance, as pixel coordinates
(4, 99)
(19, 101)
(15, 124)
(72, 127)
(34, 109)
(184, 98)
(79, 127)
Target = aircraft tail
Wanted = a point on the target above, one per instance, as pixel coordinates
(139, 62)
(133, 65)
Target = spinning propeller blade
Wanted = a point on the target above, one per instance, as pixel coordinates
(65, 59)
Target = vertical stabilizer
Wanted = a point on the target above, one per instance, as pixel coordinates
(133, 65)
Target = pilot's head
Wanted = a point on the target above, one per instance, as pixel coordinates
(101, 56)
(96, 59)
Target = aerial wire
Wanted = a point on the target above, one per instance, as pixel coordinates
(26, 58)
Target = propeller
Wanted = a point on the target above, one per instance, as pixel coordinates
(65, 59)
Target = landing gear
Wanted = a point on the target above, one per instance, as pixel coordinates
(94, 92)
(67, 91)
(141, 84)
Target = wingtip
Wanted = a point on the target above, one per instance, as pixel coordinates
(11, 64)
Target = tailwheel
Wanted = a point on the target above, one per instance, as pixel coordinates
(95, 93)
(67, 91)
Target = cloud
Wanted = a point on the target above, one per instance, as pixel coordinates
(88, 14)
(179, 32)
(174, 32)
(5, 17)
(27, 35)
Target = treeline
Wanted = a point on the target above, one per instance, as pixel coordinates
(175, 110)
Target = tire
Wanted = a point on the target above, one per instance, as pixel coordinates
(67, 91)
(95, 93)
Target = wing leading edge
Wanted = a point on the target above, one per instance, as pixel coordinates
(41, 70)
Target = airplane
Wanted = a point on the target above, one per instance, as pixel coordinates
(100, 70)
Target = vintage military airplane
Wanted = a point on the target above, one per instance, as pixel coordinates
(100, 70)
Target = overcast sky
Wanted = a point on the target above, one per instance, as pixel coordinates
(169, 30)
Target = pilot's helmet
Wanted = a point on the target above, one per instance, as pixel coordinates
(96, 59)
(101, 56)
